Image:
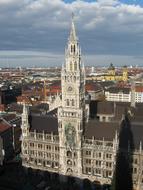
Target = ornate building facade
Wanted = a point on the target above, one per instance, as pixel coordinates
(67, 141)
(112, 75)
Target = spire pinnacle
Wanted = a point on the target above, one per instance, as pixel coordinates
(73, 36)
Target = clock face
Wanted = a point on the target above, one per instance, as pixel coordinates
(70, 135)
(69, 88)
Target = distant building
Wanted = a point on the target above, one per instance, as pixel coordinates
(112, 75)
(124, 94)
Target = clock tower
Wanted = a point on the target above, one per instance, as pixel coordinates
(71, 114)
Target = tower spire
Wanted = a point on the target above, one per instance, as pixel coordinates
(73, 36)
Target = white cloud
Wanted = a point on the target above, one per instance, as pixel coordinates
(104, 26)
(7, 1)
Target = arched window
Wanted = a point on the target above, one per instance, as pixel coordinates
(72, 102)
(68, 103)
(69, 154)
(74, 48)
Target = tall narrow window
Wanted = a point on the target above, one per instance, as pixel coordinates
(74, 48)
(72, 102)
(68, 102)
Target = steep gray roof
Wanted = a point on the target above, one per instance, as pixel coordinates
(101, 130)
(105, 108)
(47, 123)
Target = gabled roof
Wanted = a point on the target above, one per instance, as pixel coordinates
(105, 107)
(44, 123)
(101, 130)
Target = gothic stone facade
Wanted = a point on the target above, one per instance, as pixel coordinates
(67, 141)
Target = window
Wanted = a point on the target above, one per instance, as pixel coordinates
(98, 163)
(75, 154)
(88, 170)
(88, 161)
(134, 170)
(48, 147)
(48, 163)
(56, 164)
(88, 153)
(98, 154)
(108, 156)
(135, 161)
(56, 148)
(74, 48)
(72, 102)
(40, 154)
(107, 173)
(69, 153)
(31, 144)
(71, 48)
(40, 136)
(24, 145)
(40, 146)
(97, 172)
(49, 155)
(39, 162)
(108, 164)
(68, 103)
(31, 160)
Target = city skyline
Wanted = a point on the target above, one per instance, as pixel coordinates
(33, 33)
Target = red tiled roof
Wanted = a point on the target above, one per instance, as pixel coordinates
(139, 88)
(4, 127)
(9, 117)
(92, 87)
(89, 87)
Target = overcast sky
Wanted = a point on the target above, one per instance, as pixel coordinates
(35, 32)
